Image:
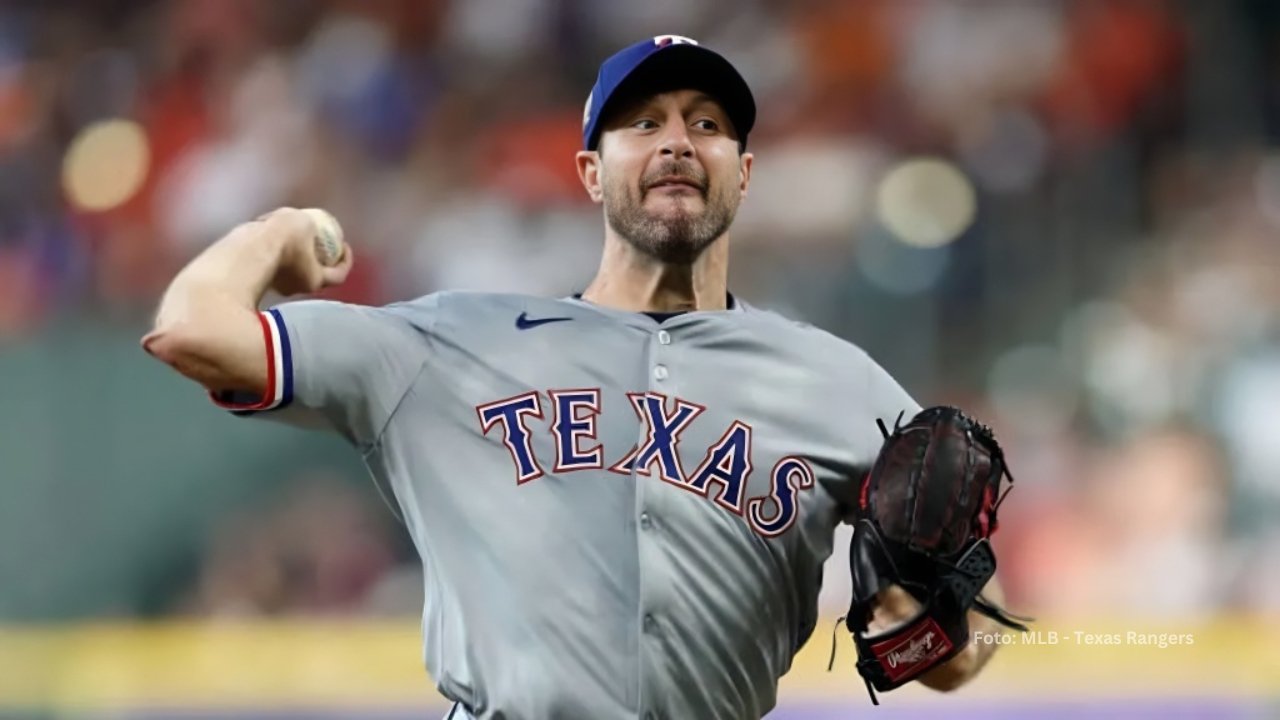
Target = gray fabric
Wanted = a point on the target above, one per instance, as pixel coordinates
(598, 593)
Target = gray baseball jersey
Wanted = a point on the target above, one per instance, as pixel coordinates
(617, 517)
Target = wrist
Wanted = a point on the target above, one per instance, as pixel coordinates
(269, 250)
(264, 257)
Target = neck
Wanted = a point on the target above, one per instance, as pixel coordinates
(631, 280)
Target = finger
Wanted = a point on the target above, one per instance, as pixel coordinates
(337, 274)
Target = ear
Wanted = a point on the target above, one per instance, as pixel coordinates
(744, 173)
(589, 173)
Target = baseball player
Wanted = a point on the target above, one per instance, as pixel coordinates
(622, 499)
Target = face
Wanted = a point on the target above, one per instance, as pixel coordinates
(669, 174)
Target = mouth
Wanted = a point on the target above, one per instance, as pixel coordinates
(674, 183)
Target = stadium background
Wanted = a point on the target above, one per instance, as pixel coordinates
(1063, 215)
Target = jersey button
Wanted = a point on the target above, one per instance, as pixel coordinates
(645, 522)
(664, 337)
(660, 372)
(650, 625)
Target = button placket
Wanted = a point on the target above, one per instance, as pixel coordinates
(650, 539)
(660, 370)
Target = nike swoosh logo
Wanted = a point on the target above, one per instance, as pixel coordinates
(524, 322)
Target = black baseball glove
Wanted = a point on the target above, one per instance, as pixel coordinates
(925, 514)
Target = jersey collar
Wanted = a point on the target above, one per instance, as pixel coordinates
(641, 319)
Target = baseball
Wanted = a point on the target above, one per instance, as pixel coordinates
(328, 238)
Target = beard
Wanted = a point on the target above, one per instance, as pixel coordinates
(680, 235)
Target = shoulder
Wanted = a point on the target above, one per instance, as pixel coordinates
(464, 305)
(806, 337)
(455, 300)
(852, 382)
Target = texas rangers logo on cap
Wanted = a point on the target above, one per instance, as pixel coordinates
(665, 40)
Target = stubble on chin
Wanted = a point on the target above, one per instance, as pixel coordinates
(677, 237)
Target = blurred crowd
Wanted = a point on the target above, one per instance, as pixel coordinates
(320, 548)
(1094, 272)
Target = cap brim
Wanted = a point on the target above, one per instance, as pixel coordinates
(685, 67)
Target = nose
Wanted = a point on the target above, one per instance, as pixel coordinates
(675, 141)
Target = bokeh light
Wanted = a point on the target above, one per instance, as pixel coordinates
(106, 164)
(926, 202)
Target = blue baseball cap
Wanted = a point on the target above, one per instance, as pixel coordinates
(661, 64)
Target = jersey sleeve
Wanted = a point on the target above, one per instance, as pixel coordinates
(885, 399)
(888, 399)
(336, 365)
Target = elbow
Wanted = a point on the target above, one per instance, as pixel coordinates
(173, 343)
(183, 348)
(164, 343)
(215, 342)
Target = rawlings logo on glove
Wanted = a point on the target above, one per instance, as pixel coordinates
(926, 512)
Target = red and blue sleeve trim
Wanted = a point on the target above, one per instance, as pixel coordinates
(279, 390)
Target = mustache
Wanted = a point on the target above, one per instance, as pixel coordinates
(675, 170)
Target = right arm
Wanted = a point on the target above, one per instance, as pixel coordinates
(208, 327)
(314, 363)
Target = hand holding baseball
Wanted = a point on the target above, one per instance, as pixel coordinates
(329, 247)
(314, 255)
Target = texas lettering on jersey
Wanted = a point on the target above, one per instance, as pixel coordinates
(721, 476)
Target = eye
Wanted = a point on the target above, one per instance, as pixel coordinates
(707, 124)
(644, 124)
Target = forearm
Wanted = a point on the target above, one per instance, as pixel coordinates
(236, 270)
(206, 326)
